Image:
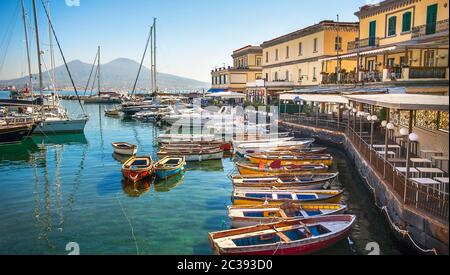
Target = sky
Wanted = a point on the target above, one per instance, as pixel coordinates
(193, 36)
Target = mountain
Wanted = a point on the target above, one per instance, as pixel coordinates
(118, 74)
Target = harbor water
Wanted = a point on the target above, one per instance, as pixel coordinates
(55, 190)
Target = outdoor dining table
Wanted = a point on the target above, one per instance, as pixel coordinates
(403, 170)
(439, 159)
(425, 182)
(390, 153)
(431, 152)
(434, 171)
(416, 161)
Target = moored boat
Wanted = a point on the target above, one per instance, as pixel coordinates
(15, 133)
(295, 237)
(273, 197)
(250, 215)
(290, 150)
(137, 168)
(225, 146)
(125, 148)
(277, 169)
(297, 182)
(112, 112)
(169, 166)
(194, 155)
(251, 148)
(290, 158)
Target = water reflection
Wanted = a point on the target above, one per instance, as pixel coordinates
(60, 139)
(18, 152)
(137, 189)
(163, 186)
(208, 166)
(120, 158)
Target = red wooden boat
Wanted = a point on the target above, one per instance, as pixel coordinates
(296, 237)
(137, 168)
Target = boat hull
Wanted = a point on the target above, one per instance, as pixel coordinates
(15, 134)
(61, 127)
(168, 173)
(332, 198)
(194, 157)
(306, 160)
(244, 170)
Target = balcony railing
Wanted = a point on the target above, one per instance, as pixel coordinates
(427, 72)
(363, 43)
(438, 27)
(432, 201)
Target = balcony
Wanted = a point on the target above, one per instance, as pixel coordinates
(363, 43)
(429, 29)
(427, 72)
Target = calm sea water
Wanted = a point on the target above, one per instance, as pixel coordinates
(60, 189)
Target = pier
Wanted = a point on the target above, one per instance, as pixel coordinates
(413, 198)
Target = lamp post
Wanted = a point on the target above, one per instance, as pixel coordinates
(372, 120)
(413, 137)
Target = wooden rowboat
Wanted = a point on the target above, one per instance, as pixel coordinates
(255, 169)
(250, 215)
(251, 148)
(125, 148)
(137, 168)
(290, 150)
(291, 158)
(195, 155)
(297, 182)
(112, 113)
(169, 167)
(295, 237)
(274, 197)
(225, 146)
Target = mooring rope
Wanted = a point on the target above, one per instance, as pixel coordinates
(393, 225)
(131, 226)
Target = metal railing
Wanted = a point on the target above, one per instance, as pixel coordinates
(363, 43)
(428, 29)
(427, 72)
(429, 200)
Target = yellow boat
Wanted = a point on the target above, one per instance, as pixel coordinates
(255, 169)
(268, 158)
(272, 197)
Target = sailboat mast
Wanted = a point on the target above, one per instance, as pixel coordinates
(38, 47)
(98, 72)
(52, 52)
(155, 85)
(151, 60)
(30, 75)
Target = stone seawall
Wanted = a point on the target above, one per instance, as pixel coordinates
(427, 232)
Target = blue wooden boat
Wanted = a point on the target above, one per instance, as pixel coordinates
(169, 166)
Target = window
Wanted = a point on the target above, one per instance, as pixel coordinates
(314, 74)
(267, 77)
(287, 76)
(258, 61)
(276, 55)
(315, 45)
(287, 52)
(338, 43)
(371, 65)
(431, 19)
(429, 58)
(276, 76)
(406, 22)
(391, 62)
(267, 57)
(225, 79)
(372, 33)
(300, 48)
(392, 26)
(300, 77)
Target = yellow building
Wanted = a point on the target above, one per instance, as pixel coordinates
(247, 67)
(401, 40)
(292, 60)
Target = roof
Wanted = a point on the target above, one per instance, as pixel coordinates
(247, 50)
(404, 101)
(382, 7)
(308, 30)
(315, 98)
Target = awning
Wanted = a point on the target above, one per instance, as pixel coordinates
(216, 90)
(351, 55)
(226, 95)
(404, 101)
(322, 98)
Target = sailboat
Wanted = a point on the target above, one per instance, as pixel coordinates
(101, 97)
(53, 116)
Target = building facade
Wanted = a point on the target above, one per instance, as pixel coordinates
(293, 60)
(247, 67)
(401, 40)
